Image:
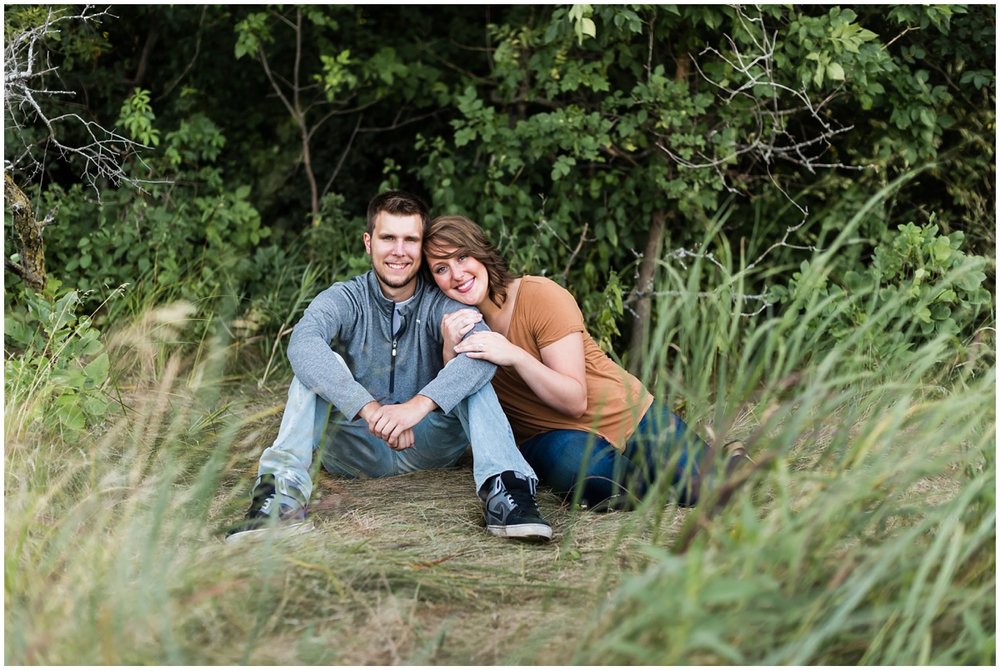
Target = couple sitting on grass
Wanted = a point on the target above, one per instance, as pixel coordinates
(393, 370)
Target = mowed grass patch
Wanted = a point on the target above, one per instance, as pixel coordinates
(403, 571)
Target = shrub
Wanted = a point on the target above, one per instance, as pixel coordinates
(56, 367)
(920, 286)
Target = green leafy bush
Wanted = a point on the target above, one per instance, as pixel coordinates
(137, 117)
(188, 234)
(56, 367)
(919, 286)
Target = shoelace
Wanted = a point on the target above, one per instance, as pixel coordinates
(264, 509)
(523, 500)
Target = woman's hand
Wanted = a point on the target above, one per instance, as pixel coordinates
(454, 326)
(492, 347)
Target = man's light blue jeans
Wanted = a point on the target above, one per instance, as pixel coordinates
(440, 439)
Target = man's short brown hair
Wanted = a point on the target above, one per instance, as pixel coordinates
(397, 202)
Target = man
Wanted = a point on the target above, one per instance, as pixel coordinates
(371, 392)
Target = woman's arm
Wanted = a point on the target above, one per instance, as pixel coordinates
(454, 326)
(559, 379)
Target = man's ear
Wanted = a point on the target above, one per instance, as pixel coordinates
(368, 243)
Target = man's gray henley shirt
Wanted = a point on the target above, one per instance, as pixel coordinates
(354, 319)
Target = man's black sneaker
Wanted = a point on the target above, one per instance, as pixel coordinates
(511, 509)
(262, 517)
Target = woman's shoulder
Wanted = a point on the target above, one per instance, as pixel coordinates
(543, 286)
(548, 299)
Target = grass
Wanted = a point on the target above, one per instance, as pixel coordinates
(866, 534)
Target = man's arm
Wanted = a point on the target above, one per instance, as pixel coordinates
(315, 364)
(462, 376)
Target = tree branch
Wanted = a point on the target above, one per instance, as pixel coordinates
(147, 49)
(343, 156)
(26, 66)
(29, 231)
(197, 50)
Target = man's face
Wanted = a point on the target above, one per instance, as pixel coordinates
(394, 245)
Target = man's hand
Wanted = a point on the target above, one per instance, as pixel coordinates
(394, 423)
(405, 441)
(371, 411)
(367, 410)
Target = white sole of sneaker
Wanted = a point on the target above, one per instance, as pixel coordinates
(521, 531)
(282, 531)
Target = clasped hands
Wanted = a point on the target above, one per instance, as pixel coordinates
(394, 423)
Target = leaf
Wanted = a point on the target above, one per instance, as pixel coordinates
(69, 413)
(588, 28)
(464, 136)
(835, 71)
(97, 370)
(562, 167)
(940, 311)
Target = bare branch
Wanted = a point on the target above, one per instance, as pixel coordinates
(572, 257)
(26, 65)
(680, 255)
(771, 104)
(343, 157)
(271, 77)
(396, 123)
(194, 58)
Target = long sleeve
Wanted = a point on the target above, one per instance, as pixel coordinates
(333, 314)
(462, 376)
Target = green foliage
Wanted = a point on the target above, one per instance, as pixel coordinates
(583, 25)
(573, 127)
(197, 140)
(605, 313)
(137, 117)
(192, 237)
(252, 32)
(335, 241)
(56, 368)
(920, 287)
(824, 49)
(336, 74)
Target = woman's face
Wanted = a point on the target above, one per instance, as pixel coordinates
(462, 278)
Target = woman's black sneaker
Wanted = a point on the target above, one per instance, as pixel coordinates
(737, 458)
(511, 509)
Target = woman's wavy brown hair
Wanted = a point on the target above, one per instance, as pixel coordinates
(465, 237)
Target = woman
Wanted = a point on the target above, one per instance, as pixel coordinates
(579, 418)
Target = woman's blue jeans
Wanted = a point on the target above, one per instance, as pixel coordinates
(661, 447)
